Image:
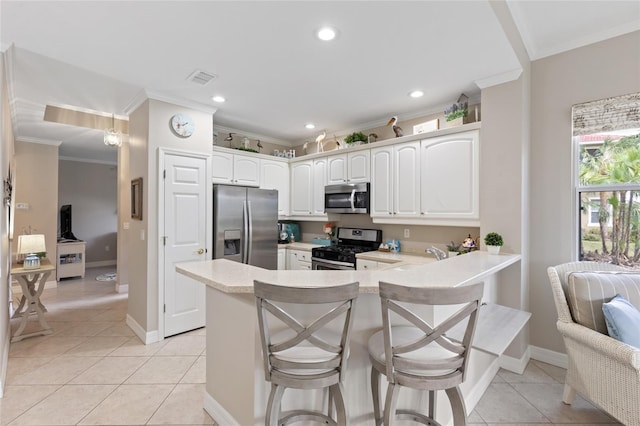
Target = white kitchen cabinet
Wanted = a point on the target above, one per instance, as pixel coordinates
(450, 176)
(282, 259)
(366, 265)
(395, 181)
(308, 179)
(275, 175)
(299, 260)
(353, 167)
(235, 169)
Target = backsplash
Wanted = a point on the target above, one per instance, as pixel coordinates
(421, 236)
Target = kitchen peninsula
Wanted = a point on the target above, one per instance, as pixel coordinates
(236, 392)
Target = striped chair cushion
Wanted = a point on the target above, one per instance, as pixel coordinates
(589, 290)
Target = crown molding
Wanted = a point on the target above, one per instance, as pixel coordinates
(8, 69)
(145, 94)
(40, 141)
(496, 79)
(241, 133)
(86, 160)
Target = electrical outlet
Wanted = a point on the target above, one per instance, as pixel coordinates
(407, 233)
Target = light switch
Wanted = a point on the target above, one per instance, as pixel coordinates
(407, 233)
(125, 225)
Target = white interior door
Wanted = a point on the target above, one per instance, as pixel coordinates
(186, 191)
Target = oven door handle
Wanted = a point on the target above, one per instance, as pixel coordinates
(352, 199)
(332, 262)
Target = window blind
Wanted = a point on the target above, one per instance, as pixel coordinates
(605, 115)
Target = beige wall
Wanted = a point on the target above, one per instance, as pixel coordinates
(593, 72)
(149, 130)
(124, 218)
(37, 185)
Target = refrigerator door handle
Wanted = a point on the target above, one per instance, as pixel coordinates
(249, 233)
(245, 227)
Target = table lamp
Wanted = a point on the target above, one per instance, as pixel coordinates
(30, 245)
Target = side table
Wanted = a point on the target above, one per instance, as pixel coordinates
(30, 301)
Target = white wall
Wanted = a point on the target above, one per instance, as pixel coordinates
(593, 72)
(91, 189)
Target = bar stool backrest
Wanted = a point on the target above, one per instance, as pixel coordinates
(275, 302)
(395, 298)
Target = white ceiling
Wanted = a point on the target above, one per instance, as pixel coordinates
(100, 56)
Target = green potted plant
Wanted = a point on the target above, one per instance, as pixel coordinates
(493, 241)
(355, 138)
(453, 249)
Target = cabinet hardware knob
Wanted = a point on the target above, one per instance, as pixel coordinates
(200, 251)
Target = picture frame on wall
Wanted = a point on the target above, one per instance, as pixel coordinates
(136, 198)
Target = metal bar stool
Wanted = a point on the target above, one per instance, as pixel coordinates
(305, 356)
(419, 355)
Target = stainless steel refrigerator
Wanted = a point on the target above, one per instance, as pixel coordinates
(245, 225)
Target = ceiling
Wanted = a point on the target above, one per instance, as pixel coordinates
(276, 75)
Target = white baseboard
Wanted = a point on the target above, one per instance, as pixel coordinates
(516, 365)
(100, 263)
(217, 412)
(122, 288)
(147, 337)
(550, 357)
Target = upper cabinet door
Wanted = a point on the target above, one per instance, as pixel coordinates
(317, 190)
(447, 194)
(337, 169)
(301, 187)
(222, 165)
(246, 170)
(407, 180)
(275, 175)
(358, 166)
(382, 182)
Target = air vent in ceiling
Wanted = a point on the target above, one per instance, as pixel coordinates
(201, 77)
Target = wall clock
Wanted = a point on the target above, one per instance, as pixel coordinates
(182, 125)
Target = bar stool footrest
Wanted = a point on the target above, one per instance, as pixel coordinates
(300, 415)
(416, 417)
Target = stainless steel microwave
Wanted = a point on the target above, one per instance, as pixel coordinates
(347, 198)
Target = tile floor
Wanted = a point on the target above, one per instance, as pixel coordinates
(94, 371)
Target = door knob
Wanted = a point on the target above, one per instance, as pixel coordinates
(200, 251)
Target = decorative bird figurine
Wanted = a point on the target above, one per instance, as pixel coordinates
(396, 129)
(259, 145)
(230, 137)
(305, 146)
(319, 140)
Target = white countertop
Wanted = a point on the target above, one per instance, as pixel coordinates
(233, 277)
(298, 246)
(391, 258)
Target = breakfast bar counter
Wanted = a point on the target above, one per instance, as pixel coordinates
(236, 392)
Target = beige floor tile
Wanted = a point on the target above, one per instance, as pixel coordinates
(532, 374)
(74, 314)
(183, 406)
(197, 373)
(162, 369)
(110, 370)
(18, 399)
(474, 418)
(547, 398)
(16, 367)
(66, 406)
(134, 347)
(56, 372)
(502, 404)
(128, 405)
(111, 315)
(117, 329)
(51, 346)
(183, 345)
(557, 373)
(97, 346)
(84, 328)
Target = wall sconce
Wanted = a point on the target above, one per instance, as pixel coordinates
(112, 136)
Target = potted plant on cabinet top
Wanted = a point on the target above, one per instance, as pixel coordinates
(355, 138)
(493, 241)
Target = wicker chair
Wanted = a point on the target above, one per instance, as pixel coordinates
(601, 369)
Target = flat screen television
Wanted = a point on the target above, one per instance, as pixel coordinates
(65, 223)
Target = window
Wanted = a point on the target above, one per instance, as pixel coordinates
(606, 134)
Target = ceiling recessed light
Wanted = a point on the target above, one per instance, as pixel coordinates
(218, 98)
(326, 33)
(416, 94)
(310, 126)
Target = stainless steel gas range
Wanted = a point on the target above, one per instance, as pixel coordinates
(351, 241)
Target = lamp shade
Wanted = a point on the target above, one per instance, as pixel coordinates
(28, 244)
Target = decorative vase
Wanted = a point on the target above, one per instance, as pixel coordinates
(493, 249)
